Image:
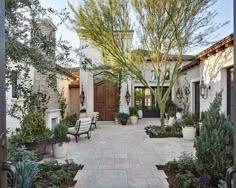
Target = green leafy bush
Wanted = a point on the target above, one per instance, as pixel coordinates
(187, 180)
(133, 111)
(70, 121)
(33, 129)
(214, 145)
(170, 106)
(185, 163)
(60, 134)
(53, 174)
(26, 166)
(188, 121)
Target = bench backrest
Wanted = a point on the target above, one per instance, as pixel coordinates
(83, 124)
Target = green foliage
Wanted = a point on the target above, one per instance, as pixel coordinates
(123, 116)
(186, 163)
(139, 96)
(115, 115)
(60, 134)
(33, 129)
(187, 180)
(203, 115)
(133, 111)
(214, 145)
(34, 102)
(70, 121)
(26, 166)
(62, 103)
(170, 106)
(19, 153)
(188, 121)
(54, 174)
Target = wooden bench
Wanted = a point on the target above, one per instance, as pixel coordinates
(82, 126)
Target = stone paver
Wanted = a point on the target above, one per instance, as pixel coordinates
(124, 156)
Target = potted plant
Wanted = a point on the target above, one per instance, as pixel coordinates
(115, 117)
(60, 140)
(83, 113)
(189, 129)
(33, 134)
(123, 118)
(170, 111)
(133, 113)
(179, 113)
(139, 96)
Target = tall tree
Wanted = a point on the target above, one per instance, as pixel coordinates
(27, 45)
(165, 28)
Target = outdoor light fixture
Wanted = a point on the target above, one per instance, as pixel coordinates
(82, 97)
(127, 96)
(204, 89)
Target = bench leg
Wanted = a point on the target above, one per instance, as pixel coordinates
(76, 138)
(88, 135)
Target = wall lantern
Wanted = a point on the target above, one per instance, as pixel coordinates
(82, 97)
(127, 96)
(204, 89)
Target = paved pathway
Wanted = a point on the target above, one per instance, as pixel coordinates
(124, 156)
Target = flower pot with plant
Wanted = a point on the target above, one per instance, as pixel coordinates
(60, 140)
(115, 117)
(189, 129)
(33, 134)
(139, 96)
(179, 113)
(133, 113)
(170, 111)
(83, 113)
(123, 118)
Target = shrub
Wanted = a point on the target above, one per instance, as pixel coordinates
(133, 111)
(54, 174)
(70, 121)
(26, 166)
(123, 116)
(188, 121)
(60, 134)
(185, 163)
(214, 145)
(170, 106)
(187, 180)
(33, 129)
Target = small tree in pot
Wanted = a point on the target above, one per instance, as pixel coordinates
(133, 113)
(189, 129)
(33, 134)
(60, 140)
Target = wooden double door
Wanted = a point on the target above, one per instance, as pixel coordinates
(105, 100)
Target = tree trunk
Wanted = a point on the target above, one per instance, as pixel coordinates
(162, 118)
(119, 90)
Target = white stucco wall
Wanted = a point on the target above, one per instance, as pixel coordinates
(11, 122)
(192, 75)
(214, 71)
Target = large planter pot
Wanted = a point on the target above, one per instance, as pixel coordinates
(38, 148)
(140, 114)
(179, 115)
(171, 120)
(82, 115)
(123, 122)
(189, 133)
(133, 120)
(60, 151)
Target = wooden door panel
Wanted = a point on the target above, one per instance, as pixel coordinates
(105, 100)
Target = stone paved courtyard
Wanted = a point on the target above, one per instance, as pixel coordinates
(124, 156)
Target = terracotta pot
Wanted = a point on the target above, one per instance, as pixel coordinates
(60, 151)
(39, 148)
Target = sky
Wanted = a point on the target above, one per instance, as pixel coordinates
(224, 9)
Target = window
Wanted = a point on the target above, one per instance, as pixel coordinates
(153, 76)
(14, 84)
